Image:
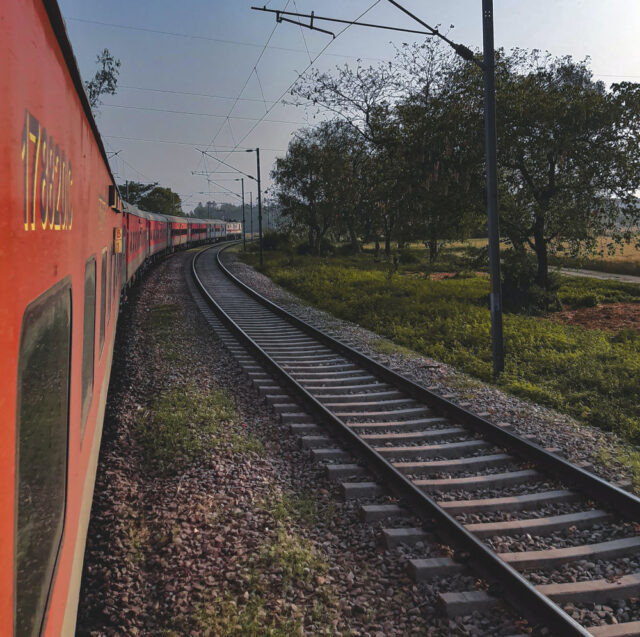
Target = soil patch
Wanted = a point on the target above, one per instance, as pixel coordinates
(611, 317)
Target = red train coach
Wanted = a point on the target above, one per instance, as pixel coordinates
(61, 239)
(158, 234)
(178, 232)
(197, 231)
(136, 239)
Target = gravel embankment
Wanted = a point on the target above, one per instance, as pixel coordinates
(577, 441)
(238, 542)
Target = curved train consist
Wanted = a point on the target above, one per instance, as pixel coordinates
(69, 247)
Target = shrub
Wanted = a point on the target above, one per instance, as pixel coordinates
(406, 256)
(519, 289)
(272, 240)
(326, 248)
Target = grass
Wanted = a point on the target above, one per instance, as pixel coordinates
(627, 458)
(292, 559)
(293, 556)
(185, 424)
(299, 508)
(160, 327)
(251, 619)
(589, 374)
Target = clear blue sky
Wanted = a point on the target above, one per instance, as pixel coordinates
(223, 43)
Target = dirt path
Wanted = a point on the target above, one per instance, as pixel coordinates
(593, 274)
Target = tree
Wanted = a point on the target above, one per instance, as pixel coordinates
(568, 153)
(152, 198)
(442, 168)
(305, 180)
(105, 81)
(205, 211)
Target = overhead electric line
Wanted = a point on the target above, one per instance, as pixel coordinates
(254, 69)
(324, 48)
(210, 39)
(191, 93)
(171, 141)
(225, 117)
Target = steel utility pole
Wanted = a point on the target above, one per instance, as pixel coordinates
(251, 212)
(259, 205)
(244, 234)
(497, 342)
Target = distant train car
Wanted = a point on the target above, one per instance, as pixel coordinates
(233, 230)
(178, 231)
(197, 231)
(158, 234)
(136, 238)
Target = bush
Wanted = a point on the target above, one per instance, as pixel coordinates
(406, 256)
(272, 240)
(326, 248)
(520, 293)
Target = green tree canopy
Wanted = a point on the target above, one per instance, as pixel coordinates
(152, 198)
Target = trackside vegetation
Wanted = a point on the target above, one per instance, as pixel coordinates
(184, 424)
(592, 375)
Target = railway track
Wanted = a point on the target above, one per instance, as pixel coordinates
(511, 508)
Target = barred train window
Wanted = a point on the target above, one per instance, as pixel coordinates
(103, 298)
(41, 448)
(110, 286)
(88, 337)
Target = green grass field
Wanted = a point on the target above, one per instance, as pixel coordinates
(589, 374)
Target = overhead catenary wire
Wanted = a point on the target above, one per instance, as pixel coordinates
(216, 115)
(264, 48)
(304, 39)
(208, 38)
(181, 143)
(189, 93)
(303, 72)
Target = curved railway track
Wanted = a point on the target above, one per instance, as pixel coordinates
(480, 486)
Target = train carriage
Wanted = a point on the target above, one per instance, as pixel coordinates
(179, 230)
(233, 230)
(68, 246)
(61, 241)
(158, 234)
(197, 231)
(136, 238)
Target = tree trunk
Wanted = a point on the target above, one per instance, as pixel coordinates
(434, 248)
(540, 243)
(353, 239)
(387, 243)
(376, 251)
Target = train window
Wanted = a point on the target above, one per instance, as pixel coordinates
(109, 285)
(88, 337)
(112, 282)
(41, 451)
(103, 298)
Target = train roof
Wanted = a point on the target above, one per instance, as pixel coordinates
(138, 212)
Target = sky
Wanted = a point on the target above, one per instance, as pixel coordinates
(195, 74)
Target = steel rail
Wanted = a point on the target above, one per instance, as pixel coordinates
(514, 588)
(624, 503)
